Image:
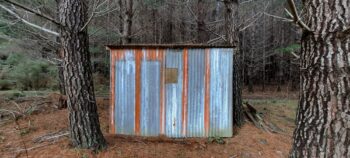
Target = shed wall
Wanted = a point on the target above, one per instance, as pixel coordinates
(198, 104)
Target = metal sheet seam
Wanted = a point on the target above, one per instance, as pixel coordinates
(112, 74)
(184, 91)
(162, 90)
(138, 58)
(207, 92)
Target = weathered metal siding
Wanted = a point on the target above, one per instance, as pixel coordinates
(125, 94)
(196, 75)
(199, 104)
(221, 65)
(173, 101)
(150, 102)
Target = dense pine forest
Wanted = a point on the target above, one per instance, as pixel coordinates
(269, 43)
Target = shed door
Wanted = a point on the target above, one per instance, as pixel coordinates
(150, 98)
(173, 96)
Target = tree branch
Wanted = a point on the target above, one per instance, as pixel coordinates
(295, 16)
(258, 15)
(277, 17)
(27, 22)
(88, 22)
(33, 11)
(295, 55)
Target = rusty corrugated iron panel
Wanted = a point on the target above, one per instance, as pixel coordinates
(150, 98)
(173, 99)
(196, 89)
(221, 64)
(152, 104)
(125, 94)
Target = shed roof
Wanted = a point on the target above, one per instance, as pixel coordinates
(166, 46)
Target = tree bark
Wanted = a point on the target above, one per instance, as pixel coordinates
(231, 19)
(62, 101)
(83, 117)
(323, 118)
(128, 19)
(121, 20)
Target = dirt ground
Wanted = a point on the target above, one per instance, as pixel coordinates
(20, 138)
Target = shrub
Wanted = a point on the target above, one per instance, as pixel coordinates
(30, 75)
(14, 59)
(5, 85)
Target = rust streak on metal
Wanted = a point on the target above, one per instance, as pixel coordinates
(152, 54)
(119, 54)
(138, 57)
(184, 91)
(160, 56)
(207, 92)
(111, 101)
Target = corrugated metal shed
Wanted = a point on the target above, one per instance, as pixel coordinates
(172, 90)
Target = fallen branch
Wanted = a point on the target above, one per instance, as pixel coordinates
(15, 114)
(34, 147)
(51, 136)
(252, 114)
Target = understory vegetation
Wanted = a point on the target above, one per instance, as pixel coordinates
(24, 73)
(21, 72)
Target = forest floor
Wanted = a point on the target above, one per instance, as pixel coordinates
(39, 117)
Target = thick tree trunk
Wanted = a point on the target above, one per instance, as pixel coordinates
(62, 101)
(83, 117)
(121, 20)
(128, 19)
(231, 15)
(323, 119)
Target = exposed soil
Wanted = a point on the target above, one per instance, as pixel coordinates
(248, 142)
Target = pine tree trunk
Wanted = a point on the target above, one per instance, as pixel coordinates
(231, 18)
(128, 20)
(323, 119)
(83, 117)
(121, 19)
(62, 101)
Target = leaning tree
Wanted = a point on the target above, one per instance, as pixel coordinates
(323, 117)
